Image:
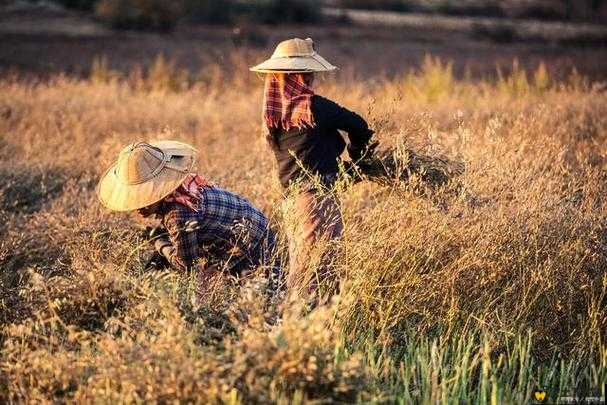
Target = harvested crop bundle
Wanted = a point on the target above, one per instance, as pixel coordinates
(393, 166)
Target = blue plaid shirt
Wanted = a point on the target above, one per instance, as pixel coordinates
(227, 232)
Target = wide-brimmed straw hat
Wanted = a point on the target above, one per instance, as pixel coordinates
(295, 56)
(145, 173)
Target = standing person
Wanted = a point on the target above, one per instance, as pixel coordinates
(204, 227)
(303, 132)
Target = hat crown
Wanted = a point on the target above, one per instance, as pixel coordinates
(294, 47)
(145, 173)
(295, 56)
(139, 163)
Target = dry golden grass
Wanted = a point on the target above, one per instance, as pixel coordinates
(477, 291)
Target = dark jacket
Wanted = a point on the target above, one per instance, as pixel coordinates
(318, 149)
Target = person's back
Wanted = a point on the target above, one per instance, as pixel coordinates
(226, 230)
(301, 151)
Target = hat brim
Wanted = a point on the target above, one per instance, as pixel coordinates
(175, 148)
(300, 64)
(116, 195)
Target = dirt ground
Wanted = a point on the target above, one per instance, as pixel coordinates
(43, 41)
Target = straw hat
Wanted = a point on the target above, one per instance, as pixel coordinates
(145, 173)
(295, 56)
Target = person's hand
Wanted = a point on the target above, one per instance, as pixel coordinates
(151, 233)
(161, 243)
(156, 262)
(359, 155)
(370, 149)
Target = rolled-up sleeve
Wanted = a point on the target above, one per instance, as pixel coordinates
(183, 252)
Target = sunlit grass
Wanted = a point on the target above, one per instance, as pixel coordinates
(478, 291)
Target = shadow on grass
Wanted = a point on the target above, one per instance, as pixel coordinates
(26, 189)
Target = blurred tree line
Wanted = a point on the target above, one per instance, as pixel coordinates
(164, 14)
(568, 10)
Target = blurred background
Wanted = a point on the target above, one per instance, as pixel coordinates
(366, 38)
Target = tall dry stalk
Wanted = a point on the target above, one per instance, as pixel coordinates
(474, 291)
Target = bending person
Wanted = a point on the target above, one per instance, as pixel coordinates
(207, 228)
(303, 132)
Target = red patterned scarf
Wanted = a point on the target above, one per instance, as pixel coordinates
(188, 193)
(287, 101)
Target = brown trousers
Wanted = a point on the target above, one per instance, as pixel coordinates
(316, 225)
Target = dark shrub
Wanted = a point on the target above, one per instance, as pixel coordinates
(210, 11)
(163, 14)
(281, 11)
(140, 14)
(392, 5)
(78, 4)
(488, 9)
(501, 33)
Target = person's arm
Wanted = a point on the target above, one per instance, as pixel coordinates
(356, 127)
(181, 246)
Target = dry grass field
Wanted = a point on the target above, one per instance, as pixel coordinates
(476, 292)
